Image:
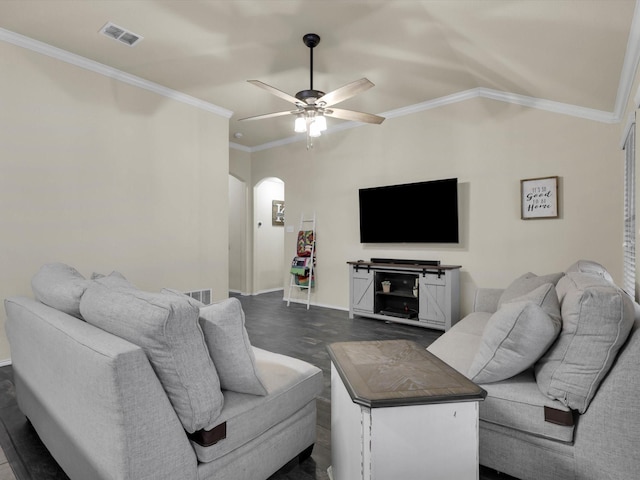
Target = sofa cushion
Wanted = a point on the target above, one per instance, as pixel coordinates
(517, 335)
(517, 403)
(291, 385)
(59, 286)
(596, 319)
(527, 283)
(228, 342)
(166, 328)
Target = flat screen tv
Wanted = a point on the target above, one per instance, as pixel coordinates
(422, 212)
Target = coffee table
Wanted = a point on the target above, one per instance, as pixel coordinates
(399, 412)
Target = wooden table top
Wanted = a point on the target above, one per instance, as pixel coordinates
(390, 373)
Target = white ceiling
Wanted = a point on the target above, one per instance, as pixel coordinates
(530, 51)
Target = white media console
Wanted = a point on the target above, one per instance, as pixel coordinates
(421, 294)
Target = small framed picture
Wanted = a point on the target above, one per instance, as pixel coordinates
(539, 198)
(277, 213)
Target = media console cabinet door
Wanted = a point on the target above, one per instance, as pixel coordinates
(362, 290)
(418, 442)
(439, 299)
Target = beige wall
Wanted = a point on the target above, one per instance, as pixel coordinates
(490, 146)
(106, 176)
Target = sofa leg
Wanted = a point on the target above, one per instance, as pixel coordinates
(306, 453)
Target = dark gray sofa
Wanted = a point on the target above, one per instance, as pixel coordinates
(533, 435)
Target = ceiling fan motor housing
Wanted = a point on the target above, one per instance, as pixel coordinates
(309, 96)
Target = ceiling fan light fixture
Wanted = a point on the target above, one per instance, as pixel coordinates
(314, 129)
(300, 125)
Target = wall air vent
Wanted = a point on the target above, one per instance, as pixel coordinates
(203, 296)
(118, 33)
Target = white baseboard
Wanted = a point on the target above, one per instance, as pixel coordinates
(5, 363)
(280, 289)
(322, 305)
(238, 292)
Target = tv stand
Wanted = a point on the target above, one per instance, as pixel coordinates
(420, 294)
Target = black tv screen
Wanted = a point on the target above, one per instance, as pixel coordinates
(423, 212)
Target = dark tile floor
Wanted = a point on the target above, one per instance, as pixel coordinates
(271, 325)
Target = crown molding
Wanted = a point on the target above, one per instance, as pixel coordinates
(627, 76)
(479, 92)
(549, 105)
(101, 69)
(237, 146)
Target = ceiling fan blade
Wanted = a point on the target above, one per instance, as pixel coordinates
(346, 91)
(268, 115)
(275, 91)
(354, 116)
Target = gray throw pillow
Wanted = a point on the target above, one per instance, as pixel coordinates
(589, 266)
(59, 286)
(597, 317)
(166, 328)
(229, 346)
(517, 335)
(527, 283)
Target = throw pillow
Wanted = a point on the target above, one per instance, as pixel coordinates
(527, 283)
(166, 328)
(597, 317)
(589, 266)
(517, 335)
(229, 346)
(59, 286)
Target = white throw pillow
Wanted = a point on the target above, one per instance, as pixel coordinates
(223, 326)
(517, 335)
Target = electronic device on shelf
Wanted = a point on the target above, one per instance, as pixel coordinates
(422, 212)
(405, 261)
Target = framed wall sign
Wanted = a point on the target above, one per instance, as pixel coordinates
(277, 212)
(539, 198)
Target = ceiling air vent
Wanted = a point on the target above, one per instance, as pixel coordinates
(118, 33)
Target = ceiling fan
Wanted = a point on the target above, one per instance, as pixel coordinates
(312, 106)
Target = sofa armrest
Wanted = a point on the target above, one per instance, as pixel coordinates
(93, 398)
(486, 299)
(608, 430)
